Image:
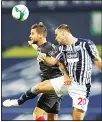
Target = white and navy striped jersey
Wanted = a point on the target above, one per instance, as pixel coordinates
(78, 59)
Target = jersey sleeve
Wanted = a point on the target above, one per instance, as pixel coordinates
(91, 48)
(55, 52)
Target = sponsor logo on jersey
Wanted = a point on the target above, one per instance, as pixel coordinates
(72, 57)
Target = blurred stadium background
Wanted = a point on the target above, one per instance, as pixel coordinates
(20, 69)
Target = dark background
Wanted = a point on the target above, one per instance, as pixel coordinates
(53, 13)
(18, 74)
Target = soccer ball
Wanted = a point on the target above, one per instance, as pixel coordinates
(20, 12)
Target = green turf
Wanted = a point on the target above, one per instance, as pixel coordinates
(27, 52)
(99, 48)
(19, 52)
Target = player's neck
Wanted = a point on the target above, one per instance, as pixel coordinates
(42, 41)
(71, 40)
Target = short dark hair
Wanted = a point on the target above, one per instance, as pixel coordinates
(65, 27)
(40, 28)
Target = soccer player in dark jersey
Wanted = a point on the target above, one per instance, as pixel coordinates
(49, 103)
(78, 55)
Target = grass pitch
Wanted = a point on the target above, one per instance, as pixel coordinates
(28, 52)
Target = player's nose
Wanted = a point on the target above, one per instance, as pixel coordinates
(30, 36)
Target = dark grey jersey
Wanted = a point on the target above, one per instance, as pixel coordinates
(48, 72)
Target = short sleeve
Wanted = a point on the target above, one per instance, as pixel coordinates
(91, 48)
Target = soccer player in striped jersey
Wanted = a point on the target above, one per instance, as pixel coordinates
(78, 55)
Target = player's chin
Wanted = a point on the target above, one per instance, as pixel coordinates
(59, 41)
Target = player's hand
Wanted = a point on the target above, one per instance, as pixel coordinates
(30, 43)
(10, 103)
(67, 80)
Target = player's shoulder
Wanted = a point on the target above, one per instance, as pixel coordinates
(50, 45)
(87, 41)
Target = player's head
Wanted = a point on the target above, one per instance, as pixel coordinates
(62, 32)
(38, 32)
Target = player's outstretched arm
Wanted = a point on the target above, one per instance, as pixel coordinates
(98, 62)
(52, 61)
